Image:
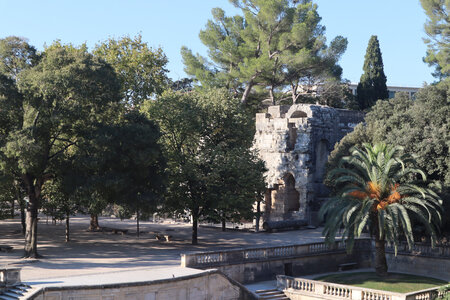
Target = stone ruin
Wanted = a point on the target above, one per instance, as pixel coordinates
(295, 141)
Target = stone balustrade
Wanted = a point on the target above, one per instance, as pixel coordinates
(300, 289)
(216, 258)
(9, 276)
(421, 250)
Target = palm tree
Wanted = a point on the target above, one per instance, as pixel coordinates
(375, 188)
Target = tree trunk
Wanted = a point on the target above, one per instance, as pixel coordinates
(272, 96)
(22, 216)
(380, 258)
(137, 221)
(380, 251)
(194, 229)
(257, 215)
(67, 228)
(31, 226)
(224, 227)
(21, 203)
(94, 223)
(12, 208)
(246, 93)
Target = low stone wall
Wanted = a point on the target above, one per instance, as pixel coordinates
(421, 260)
(305, 289)
(259, 264)
(203, 286)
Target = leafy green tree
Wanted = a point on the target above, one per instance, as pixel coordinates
(271, 48)
(61, 197)
(235, 183)
(201, 133)
(126, 165)
(421, 127)
(141, 70)
(374, 189)
(437, 28)
(372, 85)
(63, 96)
(16, 55)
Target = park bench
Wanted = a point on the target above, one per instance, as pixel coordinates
(163, 237)
(121, 231)
(347, 266)
(5, 248)
(115, 230)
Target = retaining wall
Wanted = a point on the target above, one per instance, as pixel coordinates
(204, 286)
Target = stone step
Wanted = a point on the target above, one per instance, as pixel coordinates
(9, 296)
(272, 294)
(264, 291)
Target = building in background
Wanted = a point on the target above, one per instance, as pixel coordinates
(392, 90)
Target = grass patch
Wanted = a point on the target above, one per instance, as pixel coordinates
(394, 282)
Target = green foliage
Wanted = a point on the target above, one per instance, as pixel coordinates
(61, 100)
(271, 49)
(438, 30)
(335, 93)
(207, 138)
(125, 164)
(141, 70)
(16, 55)
(375, 188)
(421, 127)
(372, 85)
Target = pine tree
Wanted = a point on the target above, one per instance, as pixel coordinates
(269, 49)
(372, 85)
(437, 28)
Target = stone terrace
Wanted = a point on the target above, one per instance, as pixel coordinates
(102, 252)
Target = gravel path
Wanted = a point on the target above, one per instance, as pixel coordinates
(101, 252)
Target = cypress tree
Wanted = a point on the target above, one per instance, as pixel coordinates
(372, 85)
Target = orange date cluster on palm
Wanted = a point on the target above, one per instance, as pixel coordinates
(373, 191)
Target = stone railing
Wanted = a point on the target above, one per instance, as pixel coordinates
(421, 250)
(295, 288)
(216, 258)
(9, 277)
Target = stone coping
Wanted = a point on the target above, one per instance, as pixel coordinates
(120, 279)
(329, 290)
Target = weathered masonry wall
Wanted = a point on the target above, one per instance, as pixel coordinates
(259, 264)
(294, 141)
(204, 286)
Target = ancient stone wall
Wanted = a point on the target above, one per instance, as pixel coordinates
(294, 141)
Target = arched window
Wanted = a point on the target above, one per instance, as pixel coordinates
(291, 195)
(299, 114)
(292, 137)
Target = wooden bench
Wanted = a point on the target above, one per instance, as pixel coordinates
(5, 248)
(347, 266)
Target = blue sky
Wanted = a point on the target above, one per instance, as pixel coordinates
(174, 23)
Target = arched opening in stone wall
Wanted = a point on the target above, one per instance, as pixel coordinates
(292, 137)
(321, 160)
(283, 197)
(299, 114)
(291, 198)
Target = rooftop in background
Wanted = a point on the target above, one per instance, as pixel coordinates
(392, 90)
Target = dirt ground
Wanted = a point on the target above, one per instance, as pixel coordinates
(101, 252)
